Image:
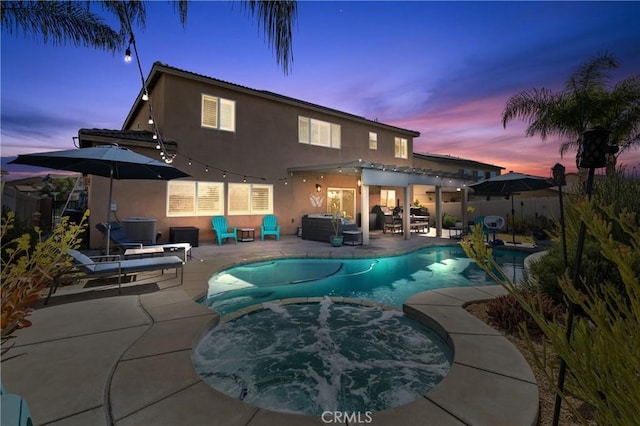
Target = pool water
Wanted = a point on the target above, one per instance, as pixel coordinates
(308, 358)
(385, 280)
(316, 357)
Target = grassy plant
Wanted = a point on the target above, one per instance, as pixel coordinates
(603, 354)
(29, 267)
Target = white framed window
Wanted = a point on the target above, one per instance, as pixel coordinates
(373, 140)
(250, 199)
(388, 197)
(401, 148)
(192, 198)
(342, 201)
(218, 113)
(318, 132)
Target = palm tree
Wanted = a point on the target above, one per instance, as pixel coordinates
(584, 103)
(62, 22)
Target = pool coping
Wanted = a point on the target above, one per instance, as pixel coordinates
(138, 350)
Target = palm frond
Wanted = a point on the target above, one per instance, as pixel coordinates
(181, 7)
(59, 22)
(592, 75)
(277, 18)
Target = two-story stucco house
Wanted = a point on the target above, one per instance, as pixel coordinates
(253, 152)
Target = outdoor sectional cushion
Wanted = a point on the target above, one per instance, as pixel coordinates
(125, 266)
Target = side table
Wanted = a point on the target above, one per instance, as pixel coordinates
(246, 234)
(352, 238)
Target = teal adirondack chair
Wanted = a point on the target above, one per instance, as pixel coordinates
(270, 227)
(219, 224)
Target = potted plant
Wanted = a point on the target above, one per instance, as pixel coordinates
(337, 238)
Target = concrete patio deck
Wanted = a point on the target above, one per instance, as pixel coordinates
(126, 360)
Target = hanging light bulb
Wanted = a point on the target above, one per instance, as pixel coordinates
(145, 96)
(157, 146)
(168, 160)
(244, 178)
(224, 175)
(127, 55)
(206, 169)
(150, 120)
(189, 161)
(155, 136)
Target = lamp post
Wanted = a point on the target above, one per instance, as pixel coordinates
(592, 154)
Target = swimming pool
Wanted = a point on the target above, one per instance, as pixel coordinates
(308, 358)
(385, 280)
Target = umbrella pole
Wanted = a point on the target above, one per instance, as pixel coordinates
(513, 221)
(109, 209)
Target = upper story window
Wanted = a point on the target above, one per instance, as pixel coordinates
(250, 198)
(401, 148)
(218, 113)
(317, 132)
(373, 140)
(191, 198)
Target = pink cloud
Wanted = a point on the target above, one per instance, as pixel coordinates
(474, 130)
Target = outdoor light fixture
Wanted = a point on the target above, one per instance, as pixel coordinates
(594, 148)
(206, 169)
(150, 120)
(155, 136)
(318, 187)
(145, 96)
(224, 174)
(559, 177)
(127, 55)
(244, 179)
(157, 146)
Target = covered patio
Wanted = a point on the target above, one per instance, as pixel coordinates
(366, 175)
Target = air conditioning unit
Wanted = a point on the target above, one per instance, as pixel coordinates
(141, 229)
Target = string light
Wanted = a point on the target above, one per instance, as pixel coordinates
(150, 119)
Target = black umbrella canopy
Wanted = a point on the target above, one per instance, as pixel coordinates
(112, 161)
(511, 183)
(105, 160)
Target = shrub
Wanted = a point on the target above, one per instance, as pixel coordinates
(448, 221)
(603, 354)
(615, 193)
(29, 267)
(506, 313)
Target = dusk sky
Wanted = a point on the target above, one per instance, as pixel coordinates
(445, 69)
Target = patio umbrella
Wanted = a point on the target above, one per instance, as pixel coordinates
(510, 184)
(112, 161)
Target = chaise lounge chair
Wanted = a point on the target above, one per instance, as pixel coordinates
(270, 227)
(120, 238)
(115, 267)
(219, 224)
